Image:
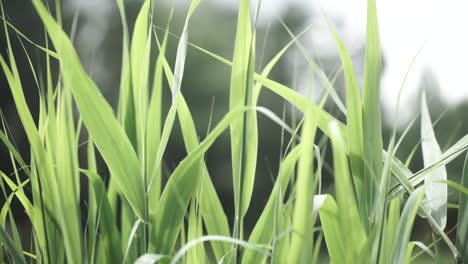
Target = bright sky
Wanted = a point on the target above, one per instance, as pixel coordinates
(405, 27)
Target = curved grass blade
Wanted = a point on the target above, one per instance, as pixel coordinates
(424, 248)
(230, 240)
(453, 152)
(131, 237)
(405, 226)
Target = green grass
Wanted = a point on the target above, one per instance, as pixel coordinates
(135, 217)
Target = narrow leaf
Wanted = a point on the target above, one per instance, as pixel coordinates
(436, 192)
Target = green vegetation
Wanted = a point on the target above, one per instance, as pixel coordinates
(137, 216)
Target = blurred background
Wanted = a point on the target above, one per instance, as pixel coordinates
(406, 28)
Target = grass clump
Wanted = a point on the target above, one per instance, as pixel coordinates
(136, 217)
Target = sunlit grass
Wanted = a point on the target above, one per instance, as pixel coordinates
(135, 217)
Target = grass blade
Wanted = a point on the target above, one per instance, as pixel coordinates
(243, 156)
(126, 107)
(263, 231)
(402, 237)
(372, 128)
(230, 240)
(354, 124)
(350, 230)
(109, 237)
(140, 63)
(176, 86)
(436, 192)
(98, 117)
(302, 238)
(16, 254)
(153, 128)
(462, 223)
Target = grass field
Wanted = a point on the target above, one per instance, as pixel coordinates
(136, 216)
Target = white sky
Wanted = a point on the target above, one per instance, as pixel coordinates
(405, 27)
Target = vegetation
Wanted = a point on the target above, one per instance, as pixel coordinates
(136, 216)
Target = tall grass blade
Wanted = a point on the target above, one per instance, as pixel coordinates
(302, 237)
(243, 155)
(126, 107)
(389, 229)
(354, 124)
(153, 128)
(372, 128)
(67, 187)
(140, 62)
(93, 206)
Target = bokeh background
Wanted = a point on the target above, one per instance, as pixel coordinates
(406, 28)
